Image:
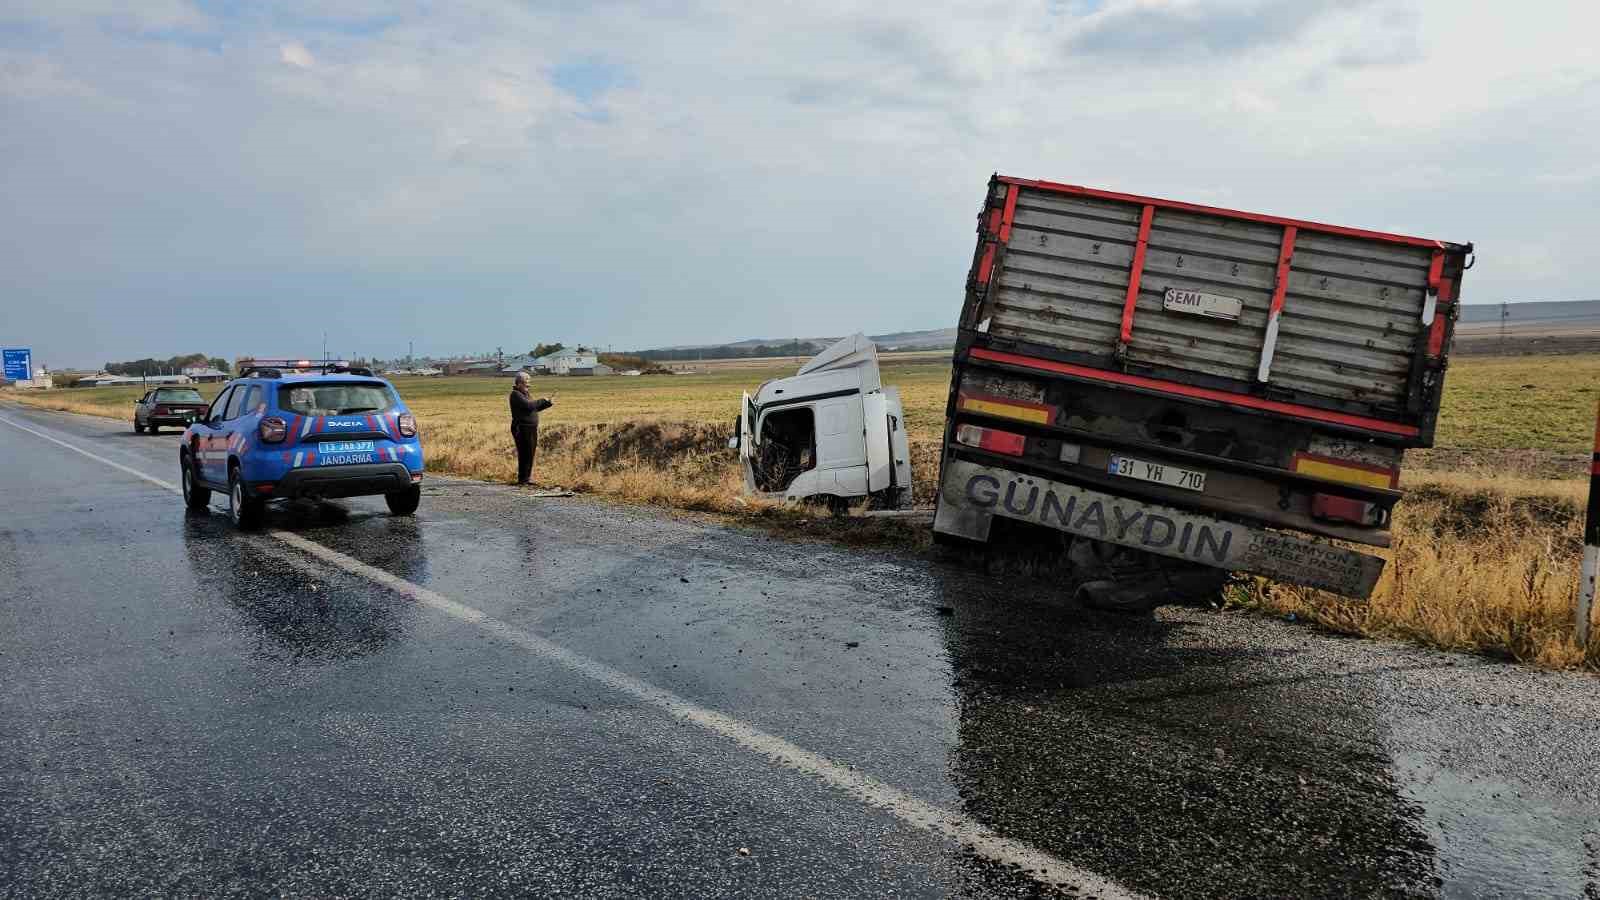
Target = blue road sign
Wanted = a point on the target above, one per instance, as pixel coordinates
(18, 363)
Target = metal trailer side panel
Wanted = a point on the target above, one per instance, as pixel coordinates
(1102, 278)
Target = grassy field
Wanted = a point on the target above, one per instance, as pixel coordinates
(1487, 542)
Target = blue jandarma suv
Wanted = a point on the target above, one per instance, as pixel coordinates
(287, 430)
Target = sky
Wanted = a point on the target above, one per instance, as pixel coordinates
(233, 178)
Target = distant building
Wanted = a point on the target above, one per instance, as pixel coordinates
(596, 369)
(41, 381)
(562, 362)
(103, 379)
(206, 374)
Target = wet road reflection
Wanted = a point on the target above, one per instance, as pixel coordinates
(191, 713)
(1119, 745)
(301, 610)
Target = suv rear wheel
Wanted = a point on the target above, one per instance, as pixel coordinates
(245, 511)
(404, 503)
(195, 497)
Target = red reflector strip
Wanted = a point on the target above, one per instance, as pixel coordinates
(265, 488)
(991, 439)
(1183, 390)
(1340, 509)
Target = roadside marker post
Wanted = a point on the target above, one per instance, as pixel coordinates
(1591, 543)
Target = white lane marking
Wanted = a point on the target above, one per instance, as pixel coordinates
(79, 450)
(1035, 863)
(920, 814)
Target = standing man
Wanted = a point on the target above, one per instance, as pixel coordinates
(525, 425)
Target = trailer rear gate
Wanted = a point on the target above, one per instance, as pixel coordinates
(1096, 274)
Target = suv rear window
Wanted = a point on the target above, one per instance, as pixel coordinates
(334, 398)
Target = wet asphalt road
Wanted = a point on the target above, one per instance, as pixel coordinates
(185, 710)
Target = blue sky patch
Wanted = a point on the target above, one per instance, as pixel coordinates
(588, 79)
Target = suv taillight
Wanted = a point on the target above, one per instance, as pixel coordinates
(407, 424)
(273, 430)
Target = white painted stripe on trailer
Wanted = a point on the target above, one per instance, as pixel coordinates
(1269, 347)
(869, 791)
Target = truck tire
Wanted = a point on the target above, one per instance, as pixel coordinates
(245, 511)
(195, 497)
(1128, 597)
(404, 503)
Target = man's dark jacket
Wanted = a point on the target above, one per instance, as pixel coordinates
(525, 410)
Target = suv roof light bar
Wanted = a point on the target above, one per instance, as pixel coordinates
(277, 368)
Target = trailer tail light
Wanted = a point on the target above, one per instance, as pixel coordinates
(1345, 471)
(273, 430)
(1331, 508)
(1007, 408)
(991, 439)
(407, 424)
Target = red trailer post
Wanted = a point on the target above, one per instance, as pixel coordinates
(1591, 542)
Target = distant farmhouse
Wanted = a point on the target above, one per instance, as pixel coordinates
(562, 362)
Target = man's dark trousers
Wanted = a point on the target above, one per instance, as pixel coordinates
(527, 440)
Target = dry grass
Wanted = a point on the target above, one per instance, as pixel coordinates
(1487, 542)
(1479, 564)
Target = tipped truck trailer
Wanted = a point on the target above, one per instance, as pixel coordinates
(1177, 385)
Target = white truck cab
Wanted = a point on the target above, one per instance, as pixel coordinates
(830, 431)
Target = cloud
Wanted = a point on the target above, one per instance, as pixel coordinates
(639, 173)
(1179, 29)
(296, 54)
